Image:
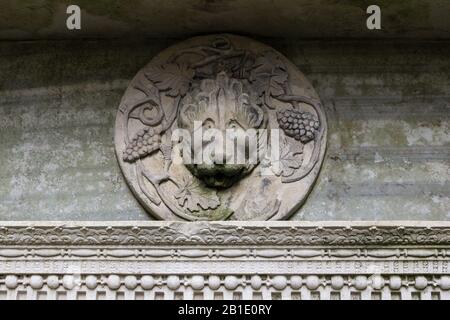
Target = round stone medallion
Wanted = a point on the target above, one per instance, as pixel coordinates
(220, 127)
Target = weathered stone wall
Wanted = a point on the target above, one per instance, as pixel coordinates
(388, 105)
(44, 19)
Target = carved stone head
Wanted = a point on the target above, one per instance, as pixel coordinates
(224, 107)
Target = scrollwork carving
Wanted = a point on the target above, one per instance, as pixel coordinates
(224, 234)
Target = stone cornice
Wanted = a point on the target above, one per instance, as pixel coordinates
(226, 260)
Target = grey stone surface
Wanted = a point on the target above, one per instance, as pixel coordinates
(43, 19)
(388, 108)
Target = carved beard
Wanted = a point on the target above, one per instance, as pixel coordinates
(221, 104)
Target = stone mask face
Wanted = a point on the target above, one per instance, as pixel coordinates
(224, 112)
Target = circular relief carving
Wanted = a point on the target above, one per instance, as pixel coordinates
(220, 127)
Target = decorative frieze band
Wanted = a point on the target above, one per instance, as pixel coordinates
(227, 233)
(214, 254)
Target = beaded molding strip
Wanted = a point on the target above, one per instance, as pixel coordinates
(226, 260)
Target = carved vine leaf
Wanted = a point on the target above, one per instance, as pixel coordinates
(290, 160)
(146, 86)
(269, 76)
(194, 197)
(173, 78)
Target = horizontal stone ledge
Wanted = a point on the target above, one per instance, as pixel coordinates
(207, 253)
(193, 225)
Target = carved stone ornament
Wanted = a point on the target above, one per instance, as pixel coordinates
(225, 260)
(179, 126)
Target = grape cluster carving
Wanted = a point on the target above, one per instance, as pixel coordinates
(145, 142)
(302, 126)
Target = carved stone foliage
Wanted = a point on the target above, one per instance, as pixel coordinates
(225, 234)
(234, 86)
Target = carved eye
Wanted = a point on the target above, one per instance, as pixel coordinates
(208, 124)
(234, 125)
